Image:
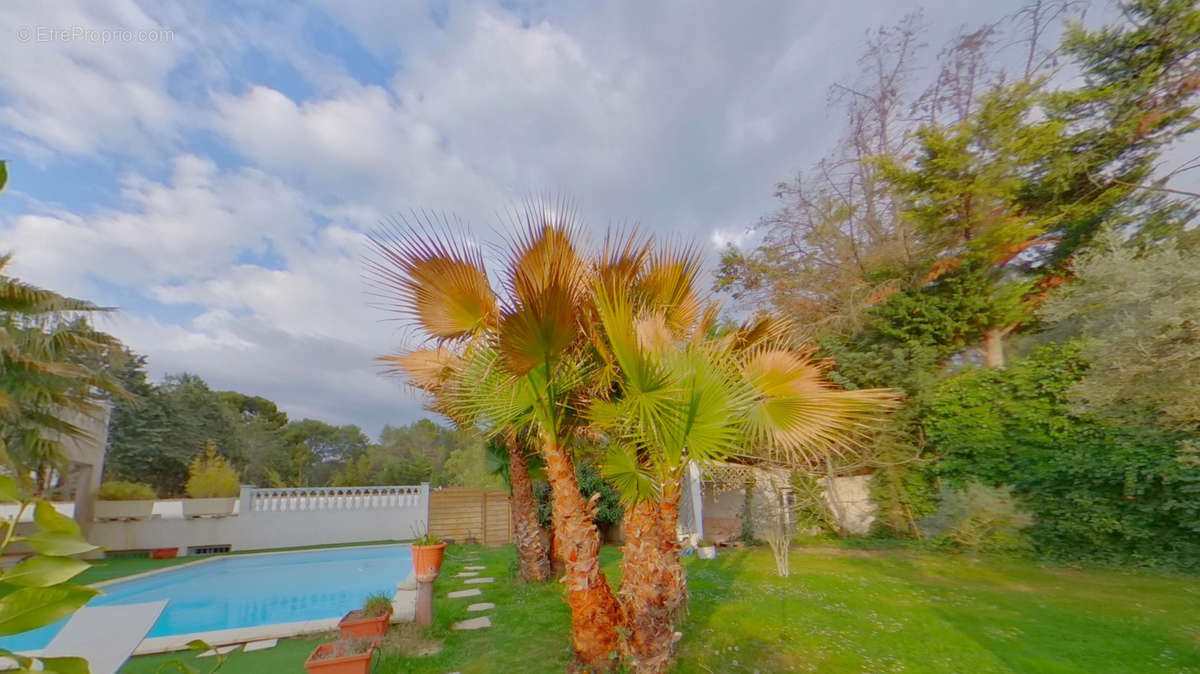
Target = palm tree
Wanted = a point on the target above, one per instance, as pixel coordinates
(526, 362)
(51, 369)
(681, 393)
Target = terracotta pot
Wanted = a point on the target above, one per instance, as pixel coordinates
(357, 626)
(427, 561)
(164, 553)
(328, 659)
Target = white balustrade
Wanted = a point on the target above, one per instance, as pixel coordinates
(308, 499)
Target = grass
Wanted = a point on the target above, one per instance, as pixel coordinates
(840, 611)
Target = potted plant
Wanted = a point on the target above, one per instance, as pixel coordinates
(370, 621)
(212, 485)
(706, 549)
(341, 657)
(124, 501)
(427, 553)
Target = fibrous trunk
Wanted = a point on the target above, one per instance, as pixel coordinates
(535, 558)
(595, 612)
(653, 588)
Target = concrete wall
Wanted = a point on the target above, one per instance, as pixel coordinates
(850, 500)
(281, 518)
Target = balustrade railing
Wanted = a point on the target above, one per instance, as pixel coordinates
(304, 499)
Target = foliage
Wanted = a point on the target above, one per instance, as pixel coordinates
(211, 476)
(155, 436)
(427, 539)
(609, 510)
(52, 370)
(1139, 315)
(118, 490)
(1097, 490)
(38, 591)
(377, 604)
(978, 517)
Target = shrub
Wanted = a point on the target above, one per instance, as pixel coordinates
(1099, 489)
(211, 476)
(979, 517)
(117, 490)
(376, 604)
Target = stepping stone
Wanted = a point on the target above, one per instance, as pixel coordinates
(475, 581)
(223, 650)
(474, 568)
(259, 645)
(483, 606)
(473, 623)
(459, 594)
(466, 574)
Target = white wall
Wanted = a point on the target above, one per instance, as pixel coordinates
(279, 518)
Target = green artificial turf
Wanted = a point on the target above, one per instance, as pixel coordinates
(840, 611)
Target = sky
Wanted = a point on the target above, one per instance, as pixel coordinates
(210, 168)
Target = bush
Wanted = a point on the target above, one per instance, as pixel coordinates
(979, 518)
(609, 510)
(117, 490)
(211, 476)
(1098, 489)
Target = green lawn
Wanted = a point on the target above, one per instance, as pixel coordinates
(841, 611)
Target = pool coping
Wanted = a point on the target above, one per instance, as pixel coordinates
(403, 609)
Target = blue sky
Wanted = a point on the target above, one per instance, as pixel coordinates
(213, 175)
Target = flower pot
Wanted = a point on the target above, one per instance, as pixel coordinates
(331, 659)
(707, 552)
(357, 626)
(164, 553)
(124, 510)
(427, 561)
(209, 507)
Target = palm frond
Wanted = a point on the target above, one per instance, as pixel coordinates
(433, 278)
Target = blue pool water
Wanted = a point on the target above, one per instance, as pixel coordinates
(251, 590)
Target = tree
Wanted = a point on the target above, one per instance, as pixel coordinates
(51, 367)
(680, 393)
(315, 451)
(1139, 314)
(525, 363)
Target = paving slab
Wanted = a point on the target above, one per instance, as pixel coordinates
(105, 635)
(481, 606)
(466, 574)
(476, 581)
(474, 623)
(260, 645)
(459, 594)
(474, 568)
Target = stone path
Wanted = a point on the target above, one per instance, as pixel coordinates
(469, 577)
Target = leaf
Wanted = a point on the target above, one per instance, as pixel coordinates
(32, 607)
(8, 490)
(49, 519)
(3, 173)
(65, 665)
(44, 571)
(57, 543)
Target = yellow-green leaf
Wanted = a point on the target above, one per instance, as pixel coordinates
(65, 665)
(8, 490)
(57, 543)
(43, 571)
(32, 607)
(49, 519)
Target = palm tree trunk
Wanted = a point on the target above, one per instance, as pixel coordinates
(535, 559)
(595, 612)
(653, 589)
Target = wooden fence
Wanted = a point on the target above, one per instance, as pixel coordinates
(463, 514)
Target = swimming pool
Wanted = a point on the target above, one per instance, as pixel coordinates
(251, 590)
